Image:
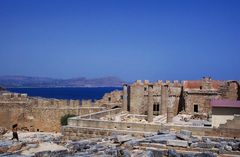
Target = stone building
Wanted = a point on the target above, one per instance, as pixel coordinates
(198, 94)
(170, 98)
(147, 98)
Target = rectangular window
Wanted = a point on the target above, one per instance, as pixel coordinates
(195, 108)
(156, 109)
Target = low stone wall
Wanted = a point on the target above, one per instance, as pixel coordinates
(97, 115)
(84, 126)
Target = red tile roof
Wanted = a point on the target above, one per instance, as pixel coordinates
(225, 103)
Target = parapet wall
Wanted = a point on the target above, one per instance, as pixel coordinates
(93, 126)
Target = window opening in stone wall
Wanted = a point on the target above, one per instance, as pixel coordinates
(156, 109)
(145, 88)
(109, 98)
(195, 108)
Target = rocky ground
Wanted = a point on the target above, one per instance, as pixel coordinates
(182, 144)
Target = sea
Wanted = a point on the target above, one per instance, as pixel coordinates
(81, 93)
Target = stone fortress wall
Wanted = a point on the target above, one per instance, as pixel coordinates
(39, 114)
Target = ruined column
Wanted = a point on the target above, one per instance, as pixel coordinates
(170, 114)
(164, 98)
(125, 97)
(150, 103)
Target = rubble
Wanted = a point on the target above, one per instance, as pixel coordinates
(163, 144)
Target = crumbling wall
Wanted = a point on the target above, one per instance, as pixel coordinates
(233, 123)
(111, 100)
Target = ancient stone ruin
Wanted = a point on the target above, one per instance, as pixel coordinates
(150, 118)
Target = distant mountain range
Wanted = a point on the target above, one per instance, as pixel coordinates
(25, 81)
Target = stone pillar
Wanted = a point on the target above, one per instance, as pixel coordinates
(150, 103)
(164, 99)
(208, 108)
(125, 97)
(170, 105)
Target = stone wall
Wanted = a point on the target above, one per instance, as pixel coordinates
(222, 115)
(201, 100)
(38, 114)
(232, 124)
(81, 128)
(163, 94)
(111, 100)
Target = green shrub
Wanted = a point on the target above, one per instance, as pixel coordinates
(65, 118)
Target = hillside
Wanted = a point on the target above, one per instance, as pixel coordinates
(25, 81)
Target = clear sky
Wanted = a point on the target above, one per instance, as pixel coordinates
(130, 39)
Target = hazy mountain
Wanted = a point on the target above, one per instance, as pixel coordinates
(25, 81)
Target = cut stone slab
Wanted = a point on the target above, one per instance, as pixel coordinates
(182, 136)
(205, 145)
(162, 138)
(186, 133)
(177, 143)
(123, 138)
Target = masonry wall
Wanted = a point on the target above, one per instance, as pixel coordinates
(38, 114)
(202, 100)
(98, 128)
(111, 100)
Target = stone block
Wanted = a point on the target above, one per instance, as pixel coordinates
(186, 133)
(123, 138)
(177, 143)
(162, 138)
(182, 136)
(205, 145)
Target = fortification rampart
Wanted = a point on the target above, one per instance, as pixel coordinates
(39, 114)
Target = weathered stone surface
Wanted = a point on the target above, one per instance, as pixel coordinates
(154, 153)
(79, 145)
(43, 154)
(59, 153)
(205, 154)
(228, 148)
(111, 151)
(186, 133)
(162, 138)
(194, 145)
(177, 143)
(182, 136)
(3, 150)
(205, 145)
(149, 153)
(3, 131)
(123, 138)
(15, 147)
(236, 146)
(131, 143)
(173, 153)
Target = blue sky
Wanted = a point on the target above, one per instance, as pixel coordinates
(149, 39)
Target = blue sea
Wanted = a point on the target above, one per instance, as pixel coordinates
(93, 93)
